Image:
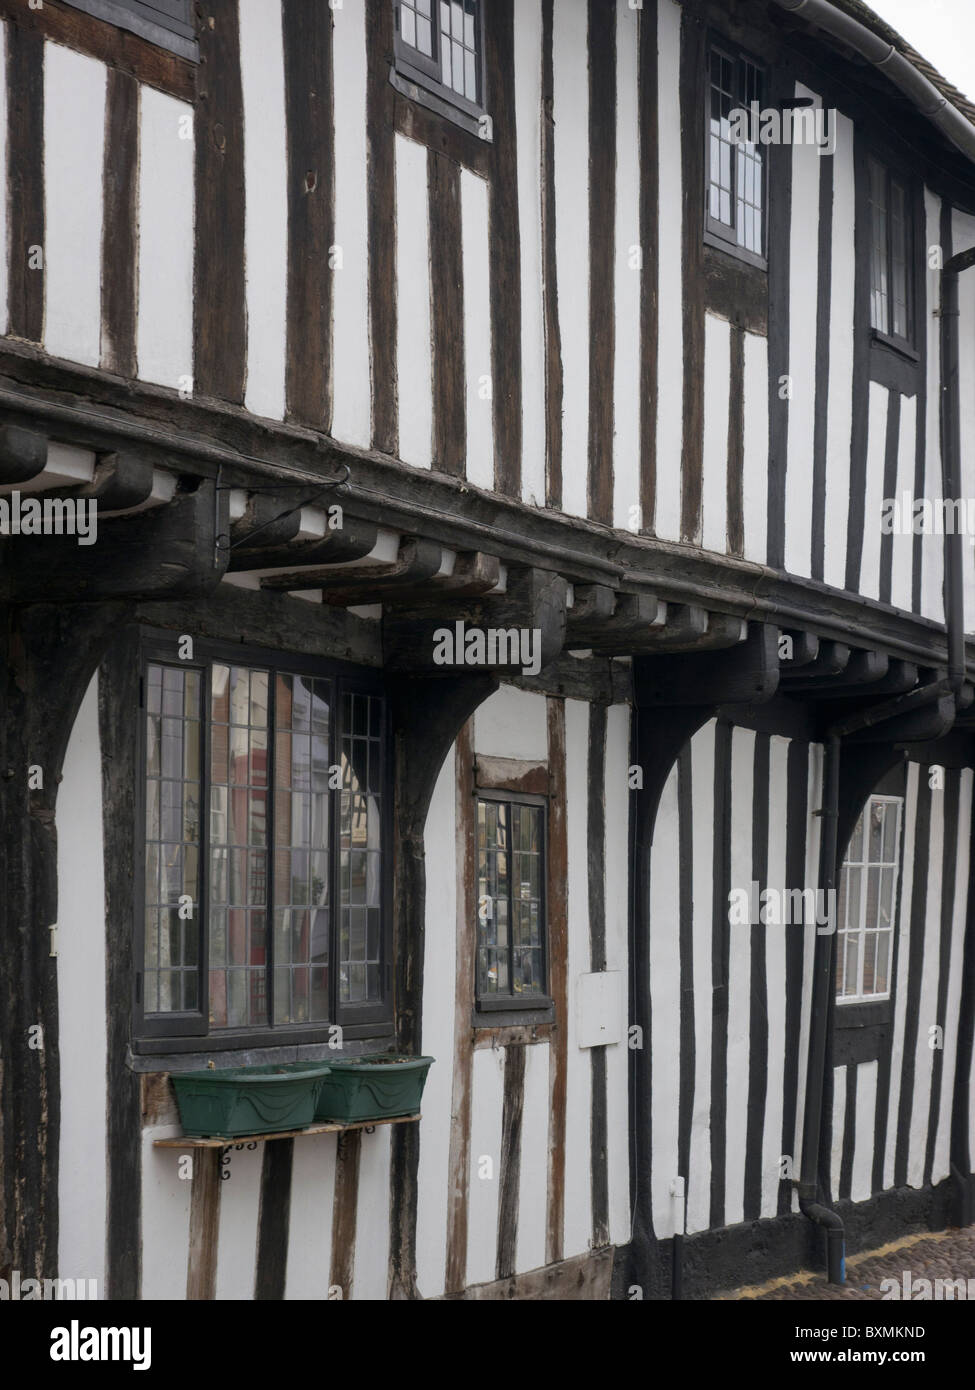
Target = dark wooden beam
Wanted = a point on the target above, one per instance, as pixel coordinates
(168, 551)
(745, 674)
(23, 454)
(352, 541)
(832, 659)
(417, 560)
(862, 669)
(119, 482)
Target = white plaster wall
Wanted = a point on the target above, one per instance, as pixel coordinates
(487, 1096)
(528, 108)
(310, 1219)
(617, 851)
(164, 329)
(839, 417)
(266, 203)
(533, 1176)
(82, 1172)
(513, 723)
(578, 1088)
(74, 139)
(670, 344)
(698, 1180)
(240, 1198)
(439, 993)
(571, 119)
(739, 976)
(351, 407)
(166, 1217)
(664, 1038)
(714, 492)
(477, 329)
(372, 1216)
(755, 465)
(628, 277)
(414, 356)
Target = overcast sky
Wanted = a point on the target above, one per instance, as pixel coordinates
(943, 31)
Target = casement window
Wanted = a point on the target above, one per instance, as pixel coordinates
(264, 878)
(891, 256)
(735, 171)
(439, 48)
(166, 23)
(511, 965)
(866, 903)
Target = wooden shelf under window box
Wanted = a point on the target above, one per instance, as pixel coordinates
(193, 1143)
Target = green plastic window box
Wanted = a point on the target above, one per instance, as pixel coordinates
(249, 1100)
(378, 1087)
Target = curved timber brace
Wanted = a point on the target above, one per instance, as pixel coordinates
(48, 657)
(674, 697)
(427, 715)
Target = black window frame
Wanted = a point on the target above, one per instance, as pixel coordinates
(148, 21)
(718, 234)
(906, 343)
(420, 77)
(191, 1031)
(528, 1007)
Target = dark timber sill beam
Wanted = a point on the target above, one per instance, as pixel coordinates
(212, 435)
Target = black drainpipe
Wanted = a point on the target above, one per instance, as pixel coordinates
(809, 1202)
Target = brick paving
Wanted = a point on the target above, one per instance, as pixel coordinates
(945, 1255)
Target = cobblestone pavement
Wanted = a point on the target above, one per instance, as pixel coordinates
(946, 1255)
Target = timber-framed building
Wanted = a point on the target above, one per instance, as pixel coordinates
(493, 444)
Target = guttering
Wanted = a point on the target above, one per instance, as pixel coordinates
(932, 104)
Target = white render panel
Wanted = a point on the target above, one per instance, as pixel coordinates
(351, 402)
(803, 301)
(670, 332)
(571, 120)
(927, 1012)
(533, 1173)
(487, 1101)
(739, 976)
(941, 1165)
(371, 1273)
(814, 800)
(714, 492)
(839, 1122)
(310, 1222)
(266, 204)
(902, 570)
(702, 835)
(903, 963)
(74, 141)
(164, 330)
(864, 1139)
(617, 880)
(439, 990)
(775, 974)
(513, 723)
(165, 1218)
(82, 1030)
(755, 467)
(629, 275)
(578, 1088)
(528, 107)
(477, 329)
(665, 1007)
(240, 1201)
(842, 308)
(414, 352)
(877, 410)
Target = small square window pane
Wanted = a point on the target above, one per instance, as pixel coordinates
(408, 25)
(424, 37)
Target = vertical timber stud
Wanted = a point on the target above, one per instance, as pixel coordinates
(509, 1175)
(311, 210)
(599, 1166)
(649, 201)
(381, 193)
(505, 248)
(25, 180)
(201, 1261)
(49, 655)
(553, 332)
(219, 327)
(692, 54)
(119, 180)
(447, 300)
(558, 937)
(118, 689)
(602, 255)
(427, 715)
(779, 224)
